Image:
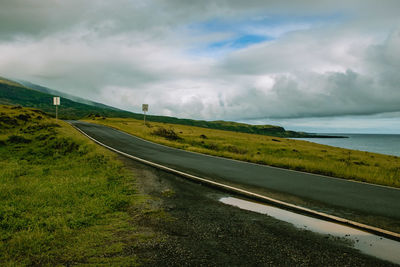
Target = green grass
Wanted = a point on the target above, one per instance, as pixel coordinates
(286, 153)
(63, 199)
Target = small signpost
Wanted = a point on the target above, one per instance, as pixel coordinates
(56, 102)
(145, 108)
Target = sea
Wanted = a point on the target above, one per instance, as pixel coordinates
(378, 143)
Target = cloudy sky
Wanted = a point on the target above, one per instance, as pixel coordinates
(324, 66)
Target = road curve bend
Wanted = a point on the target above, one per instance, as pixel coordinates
(366, 198)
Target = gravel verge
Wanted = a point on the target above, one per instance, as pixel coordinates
(187, 226)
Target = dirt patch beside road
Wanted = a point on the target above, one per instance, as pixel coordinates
(190, 227)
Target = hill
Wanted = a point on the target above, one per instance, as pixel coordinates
(12, 93)
(64, 95)
(30, 95)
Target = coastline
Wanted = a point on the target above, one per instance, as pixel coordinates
(321, 136)
(386, 144)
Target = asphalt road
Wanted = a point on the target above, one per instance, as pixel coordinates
(366, 198)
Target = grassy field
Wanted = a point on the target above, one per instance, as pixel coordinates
(63, 200)
(286, 153)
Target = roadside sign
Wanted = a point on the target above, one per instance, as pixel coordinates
(56, 100)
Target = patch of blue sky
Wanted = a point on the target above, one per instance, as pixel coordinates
(239, 42)
(240, 25)
(244, 32)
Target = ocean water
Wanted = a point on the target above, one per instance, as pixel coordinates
(378, 143)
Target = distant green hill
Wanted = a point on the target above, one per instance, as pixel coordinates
(12, 93)
(30, 95)
(64, 95)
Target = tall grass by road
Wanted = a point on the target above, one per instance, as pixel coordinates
(63, 200)
(280, 152)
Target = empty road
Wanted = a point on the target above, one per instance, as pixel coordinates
(365, 198)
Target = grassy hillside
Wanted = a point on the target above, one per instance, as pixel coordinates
(63, 200)
(64, 95)
(67, 202)
(274, 151)
(12, 93)
(10, 82)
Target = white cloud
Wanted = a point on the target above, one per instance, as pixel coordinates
(125, 53)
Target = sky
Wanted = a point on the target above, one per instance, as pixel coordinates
(321, 66)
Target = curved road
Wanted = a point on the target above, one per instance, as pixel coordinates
(367, 198)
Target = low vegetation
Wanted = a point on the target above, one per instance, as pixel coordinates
(285, 153)
(63, 200)
(168, 134)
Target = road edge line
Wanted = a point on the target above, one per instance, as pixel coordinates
(254, 163)
(254, 196)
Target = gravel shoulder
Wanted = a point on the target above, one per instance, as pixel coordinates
(185, 225)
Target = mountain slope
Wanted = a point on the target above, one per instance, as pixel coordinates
(15, 94)
(31, 95)
(64, 95)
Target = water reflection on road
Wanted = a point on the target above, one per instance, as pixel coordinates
(367, 243)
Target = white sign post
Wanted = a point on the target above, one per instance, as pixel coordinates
(56, 102)
(145, 108)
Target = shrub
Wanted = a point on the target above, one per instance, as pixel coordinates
(43, 126)
(210, 146)
(38, 111)
(64, 145)
(24, 117)
(45, 136)
(18, 139)
(166, 133)
(8, 121)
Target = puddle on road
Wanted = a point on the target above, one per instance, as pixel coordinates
(367, 243)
